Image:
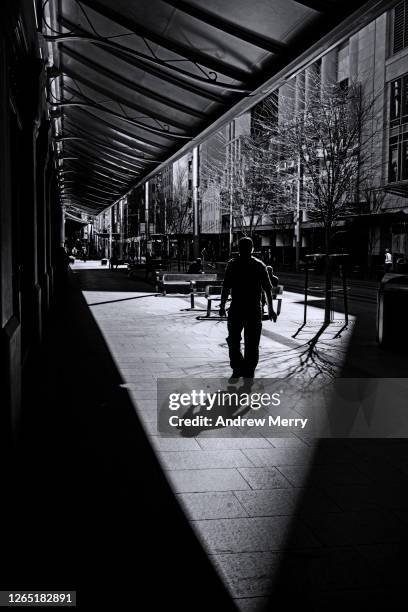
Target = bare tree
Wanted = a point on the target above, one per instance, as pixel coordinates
(325, 144)
(239, 177)
(254, 189)
(179, 211)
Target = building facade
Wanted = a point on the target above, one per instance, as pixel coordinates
(376, 57)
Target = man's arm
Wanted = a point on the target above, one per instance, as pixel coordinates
(226, 287)
(267, 287)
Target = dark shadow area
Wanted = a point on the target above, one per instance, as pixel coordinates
(361, 531)
(104, 279)
(88, 506)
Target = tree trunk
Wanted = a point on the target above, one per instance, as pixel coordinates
(370, 263)
(179, 253)
(328, 280)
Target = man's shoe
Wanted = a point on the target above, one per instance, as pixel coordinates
(248, 383)
(235, 376)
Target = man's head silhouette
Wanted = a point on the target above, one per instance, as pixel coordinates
(245, 246)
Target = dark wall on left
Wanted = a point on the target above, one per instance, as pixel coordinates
(30, 218)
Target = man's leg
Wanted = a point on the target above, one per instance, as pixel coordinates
(252, 336)
(235, 326)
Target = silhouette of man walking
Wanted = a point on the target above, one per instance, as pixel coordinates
(246, 278)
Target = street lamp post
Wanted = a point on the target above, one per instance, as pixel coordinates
(231, 218)
(147, 210)
(298, 237)
(63, 208)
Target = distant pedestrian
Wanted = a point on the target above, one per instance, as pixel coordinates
(149, 265)
(114, 260)
(387, 261)
(246, 278)
(196, 267)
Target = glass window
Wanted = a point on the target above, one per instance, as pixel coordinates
(404, 100)
(398, 164)
(395, 109)
(400, 37)
(393, 164)
(404, 161)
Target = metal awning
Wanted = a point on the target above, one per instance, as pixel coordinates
(132, 82)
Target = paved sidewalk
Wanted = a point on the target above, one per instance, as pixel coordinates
(243, 494)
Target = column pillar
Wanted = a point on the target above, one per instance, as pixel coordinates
(299, 112)
(196, 223)
(48, 220)
(147, 210)
(33, 259)
(42, 165)
(62, 229)
(312, 83)
(353, 58)
(329, 69)
(300, 93)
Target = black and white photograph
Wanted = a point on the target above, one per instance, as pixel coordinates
(204, 305)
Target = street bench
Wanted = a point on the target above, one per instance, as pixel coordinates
(213, 293)
(187, 281)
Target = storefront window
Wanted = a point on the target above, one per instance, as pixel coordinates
(393, 165)
(400, 29)
(398, 163)
(404, 161)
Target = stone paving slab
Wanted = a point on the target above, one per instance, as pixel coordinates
(232, 443)
(248, 575)
(265, 478)
(213, 505)
(253, 534)
(195, 481)
(264, 457)
(250, 604)
(190, 460)
(323, 475)
(292, 442)
(175, 444)
(262, 503)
